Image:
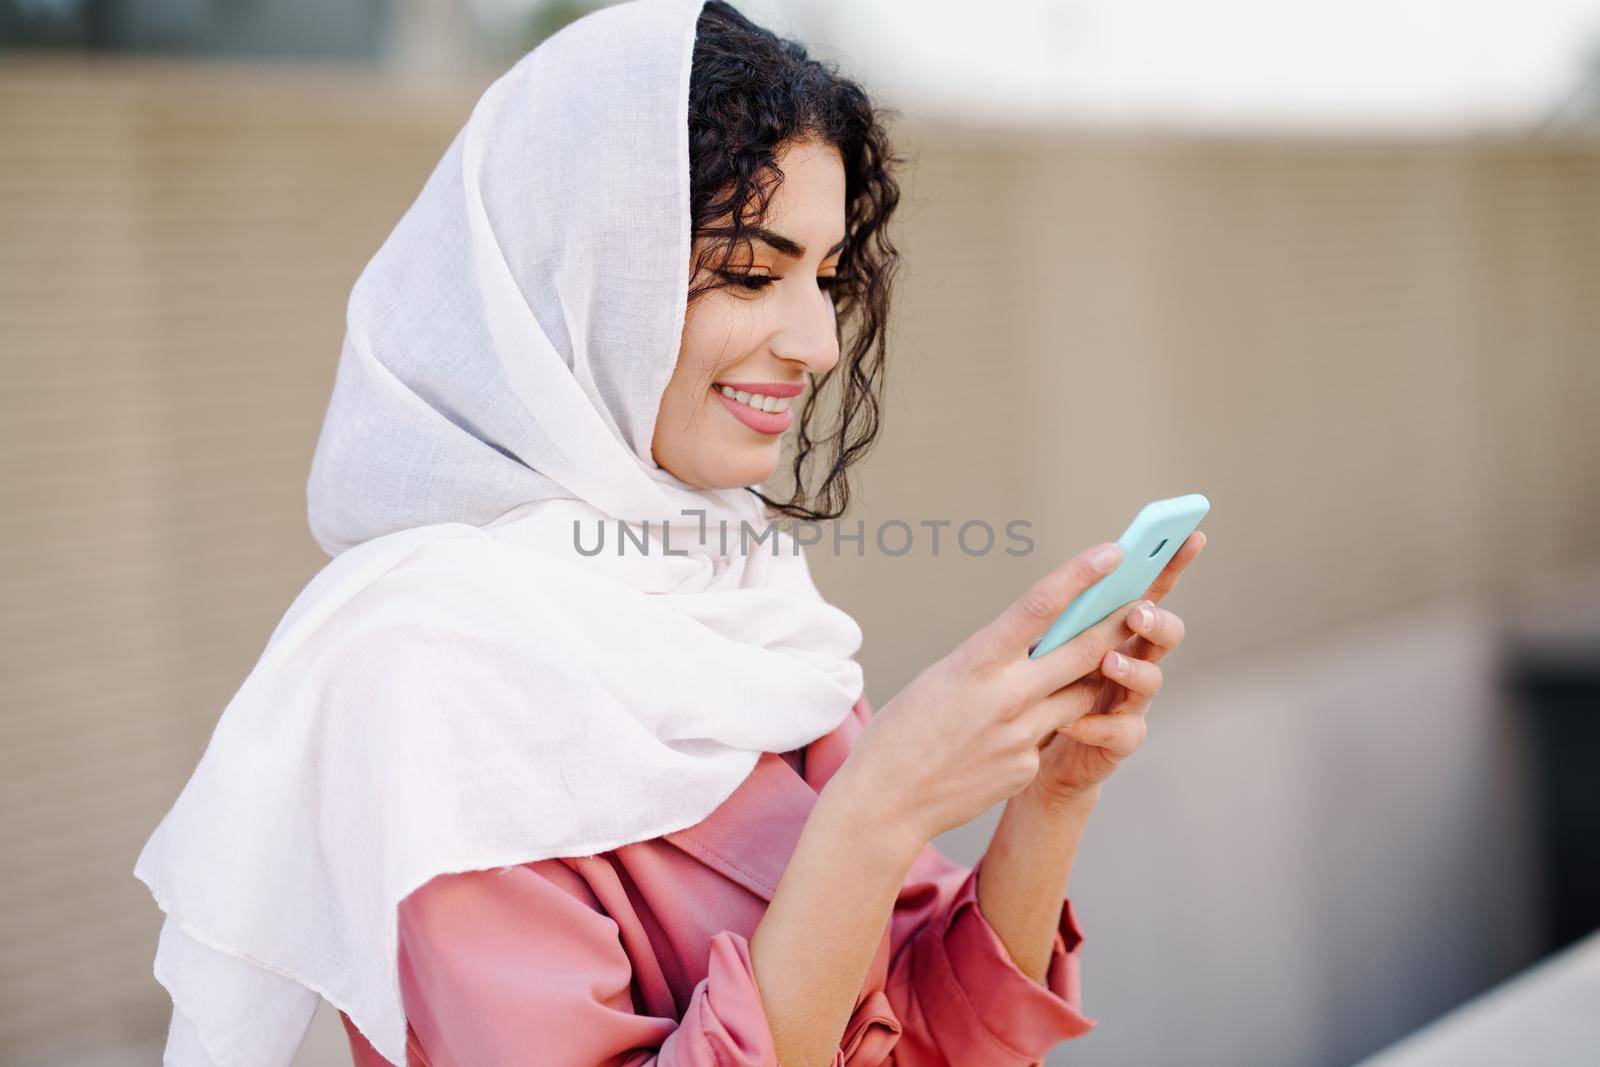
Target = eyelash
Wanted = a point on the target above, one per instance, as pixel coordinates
(757, 282)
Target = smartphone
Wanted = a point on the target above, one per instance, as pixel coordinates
(1150, 541)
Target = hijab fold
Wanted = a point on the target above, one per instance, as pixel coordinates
(460, 688)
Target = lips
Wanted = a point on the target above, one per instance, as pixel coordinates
(770, 423)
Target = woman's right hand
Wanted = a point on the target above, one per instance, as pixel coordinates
(966, 732)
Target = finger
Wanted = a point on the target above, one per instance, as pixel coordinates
(1008, 636)
(1120, 735)
(1063, 666)
(1062, 708)
(1175, 566)
(1140, 677)
(1158, 631)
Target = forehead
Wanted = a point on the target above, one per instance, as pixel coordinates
(812, 192)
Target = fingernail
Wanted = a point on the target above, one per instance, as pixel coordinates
(1105, 558)
(1118, 664)
(1143, 616)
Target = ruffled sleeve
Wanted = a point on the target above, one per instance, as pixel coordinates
(512, 966)
(959, 996)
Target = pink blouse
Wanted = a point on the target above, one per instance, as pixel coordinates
(641, 955)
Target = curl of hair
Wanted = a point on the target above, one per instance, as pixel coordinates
(750, 94)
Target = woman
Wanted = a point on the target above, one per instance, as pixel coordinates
(502, 798)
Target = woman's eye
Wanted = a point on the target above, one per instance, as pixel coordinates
(761, 281)
(747, 281)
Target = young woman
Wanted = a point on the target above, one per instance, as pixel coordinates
(501, 797)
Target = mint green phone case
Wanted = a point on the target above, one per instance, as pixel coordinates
(1148, 544)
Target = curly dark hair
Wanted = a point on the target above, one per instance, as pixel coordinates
(751, 93)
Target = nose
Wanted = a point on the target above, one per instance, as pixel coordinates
(808, 331)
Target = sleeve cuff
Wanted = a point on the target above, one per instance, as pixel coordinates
(973, 985)
(732, 1019)
(730, 1027)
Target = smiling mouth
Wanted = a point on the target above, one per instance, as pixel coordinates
(755, 401)
(761, 406)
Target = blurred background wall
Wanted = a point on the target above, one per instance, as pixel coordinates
(1377, 350)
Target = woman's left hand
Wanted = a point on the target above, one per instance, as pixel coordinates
(1076, 758)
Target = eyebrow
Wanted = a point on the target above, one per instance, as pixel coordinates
(789, 247)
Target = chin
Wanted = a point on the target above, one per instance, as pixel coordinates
(736, 471)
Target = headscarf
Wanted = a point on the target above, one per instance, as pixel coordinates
(460, 687)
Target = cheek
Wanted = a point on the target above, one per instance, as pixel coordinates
(690, 384)
(720, 332)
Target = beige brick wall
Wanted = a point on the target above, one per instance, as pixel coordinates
(1378, 358)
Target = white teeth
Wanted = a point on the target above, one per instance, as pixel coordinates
(759, 401)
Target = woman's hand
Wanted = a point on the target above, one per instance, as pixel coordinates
(1077, 757)
(967, 732)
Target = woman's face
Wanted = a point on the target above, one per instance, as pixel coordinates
(758, 343)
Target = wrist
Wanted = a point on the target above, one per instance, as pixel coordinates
(1052, 802)
(860, 808)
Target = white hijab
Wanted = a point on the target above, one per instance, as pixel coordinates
(459, 688)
